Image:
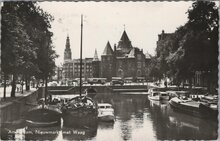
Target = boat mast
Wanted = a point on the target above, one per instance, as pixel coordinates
(80, 82)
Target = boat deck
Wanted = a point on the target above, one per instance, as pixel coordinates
(191, 104)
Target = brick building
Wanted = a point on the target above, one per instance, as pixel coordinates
(124, 61)
(71, 67)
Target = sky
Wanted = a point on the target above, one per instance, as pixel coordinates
(106, 21)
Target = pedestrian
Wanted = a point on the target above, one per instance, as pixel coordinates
(165, 84)
(17, 87)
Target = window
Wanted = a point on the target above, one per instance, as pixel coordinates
(138, 64)
(120, 73)
(143, 64)
(139, 73)
(139, 56)
(119, 63)
(110, 67)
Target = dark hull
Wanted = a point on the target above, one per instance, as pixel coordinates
(42, 133)
(205, 109)
(43, 116)
(79, 118)
(198, 111)
(78, 114)
(186, 109)
(107, 118)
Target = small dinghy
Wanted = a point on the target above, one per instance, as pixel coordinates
(106, 112)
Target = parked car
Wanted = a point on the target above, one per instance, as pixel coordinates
(92, 81)
(117, 82)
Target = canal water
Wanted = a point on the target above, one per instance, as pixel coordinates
(137, 118)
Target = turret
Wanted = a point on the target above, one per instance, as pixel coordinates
(67, 52)
(107, 63)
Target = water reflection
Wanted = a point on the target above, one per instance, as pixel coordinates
(170, 124)
(35, 133)
(79, 133)
(137, 118)
(106, 125)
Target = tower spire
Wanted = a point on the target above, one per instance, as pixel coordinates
(95, 56)
(67, 52)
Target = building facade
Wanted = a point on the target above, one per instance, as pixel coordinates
(124, 61)
(86, 68)
(71, 67)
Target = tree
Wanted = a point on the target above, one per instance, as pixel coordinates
(25, 26)
(154, 70)
(197, 40)
(193, 47)
(15, 41)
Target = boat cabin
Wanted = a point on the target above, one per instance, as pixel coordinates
(164, 94)
(104, 106)
(155, 93)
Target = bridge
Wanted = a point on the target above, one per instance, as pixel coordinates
(62, 90)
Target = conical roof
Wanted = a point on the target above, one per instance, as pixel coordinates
(108, 50)
(124, 37)
(124, 44)
(95, 58)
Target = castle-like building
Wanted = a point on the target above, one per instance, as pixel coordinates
(123, 61)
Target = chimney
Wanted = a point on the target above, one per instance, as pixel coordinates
(162, 35)
(114, 47)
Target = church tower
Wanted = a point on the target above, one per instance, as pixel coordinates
(67, 52)
(68, 63)
(95, 65)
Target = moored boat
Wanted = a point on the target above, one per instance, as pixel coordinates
(185, 105)
(195, 108)
(209, 99)
(164, 96)
(91, 92)
(43, 116)
(155, 95)
(209, 108)
(105, 112)
(80, 111)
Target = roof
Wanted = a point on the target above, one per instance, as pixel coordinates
(108, 49)
(147, 56)
(124, 44)
(104, 104)
(95, 58)
(124, 37)
(132, 53)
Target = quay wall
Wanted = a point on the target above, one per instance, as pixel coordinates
(61, 90)
(15, 109)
